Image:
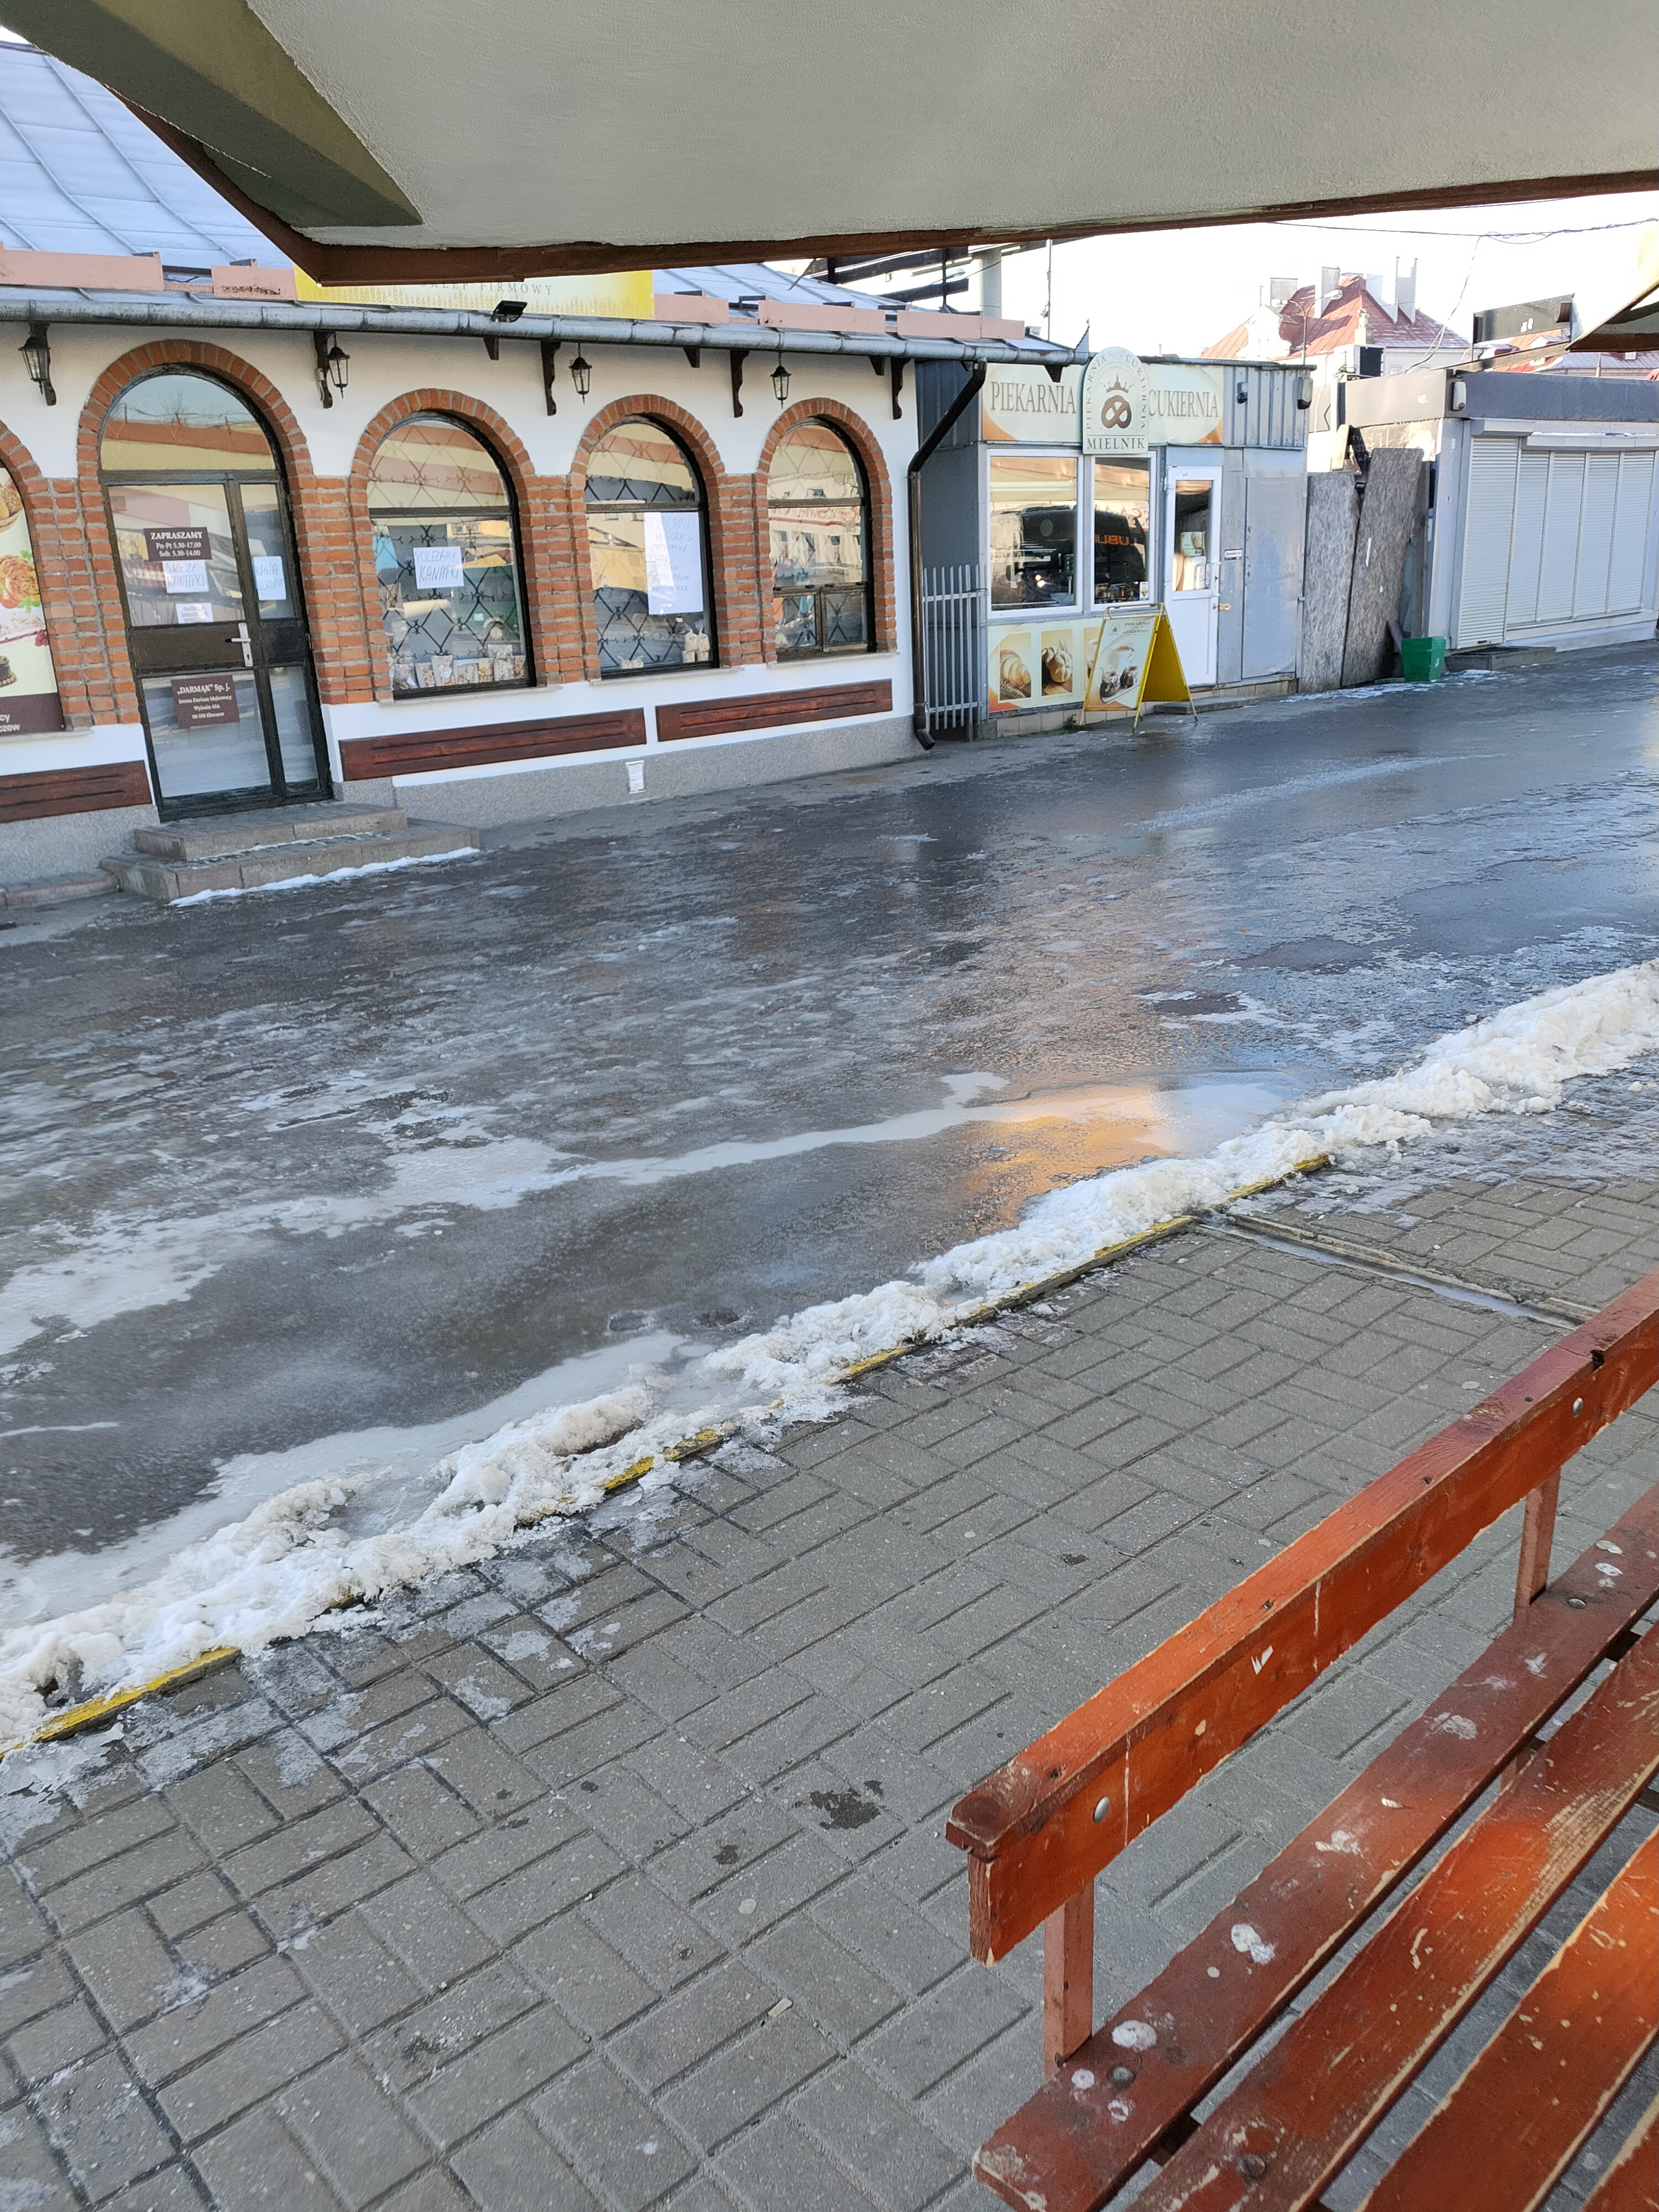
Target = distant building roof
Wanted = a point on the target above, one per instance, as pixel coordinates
(1352, 316)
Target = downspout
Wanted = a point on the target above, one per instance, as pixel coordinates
(913, 485)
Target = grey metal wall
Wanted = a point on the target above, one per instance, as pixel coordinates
(1268, 415)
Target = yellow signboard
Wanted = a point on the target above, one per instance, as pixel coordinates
(625, 295)
(1135, 663)
(1023, 405)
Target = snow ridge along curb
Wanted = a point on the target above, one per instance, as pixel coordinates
(95, 1711)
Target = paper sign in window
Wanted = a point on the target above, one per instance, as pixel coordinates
(438, 568)
(186, 579)
(194, 611)
(674, 564)
(176, 542)
(268, 581)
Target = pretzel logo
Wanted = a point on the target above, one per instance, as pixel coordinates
(1115, 413)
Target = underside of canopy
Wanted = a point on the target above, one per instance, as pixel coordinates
(418, 140)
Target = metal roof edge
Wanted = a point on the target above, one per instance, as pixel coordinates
(154, 313)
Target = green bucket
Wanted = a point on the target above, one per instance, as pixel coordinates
(1422, 660)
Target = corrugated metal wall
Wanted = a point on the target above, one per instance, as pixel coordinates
(1268, 415)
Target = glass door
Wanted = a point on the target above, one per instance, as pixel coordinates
(215, 631)
(1191, 592)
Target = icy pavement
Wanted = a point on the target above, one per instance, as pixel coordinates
(353, 1177)
(608, 1874)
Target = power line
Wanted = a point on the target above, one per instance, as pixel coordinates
(1504, 237)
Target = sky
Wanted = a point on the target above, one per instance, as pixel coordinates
(1176, 291)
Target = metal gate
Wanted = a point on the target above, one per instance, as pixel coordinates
(953, 648)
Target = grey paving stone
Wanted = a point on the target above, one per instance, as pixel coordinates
(663, 1942)
(589, 1980)
(513, 2167)
(200, 2020)
(171, 2190)
(688, 2026)
(576, 1871)
(886, 1934)
(257, 2163)
(943, 2030)
(55, 2040)
(352, 2130)
(100, 2125)
(631, 1817)
(779, 2164)
(106, 1888)
(738, 2084)
(902, 2164)
(612, 2137)
(417, 1807)
(420, 1926)
(28, 1991)
(255, 2066)
(355, 1975)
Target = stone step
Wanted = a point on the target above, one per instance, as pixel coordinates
(216, 836)
(155, 877)
(55, 891)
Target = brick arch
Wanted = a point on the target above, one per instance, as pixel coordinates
(729, 502)
(52, 512)
(543, 533)
(860, 436)
(322, 536)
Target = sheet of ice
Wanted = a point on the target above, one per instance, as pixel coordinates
(279, 1570)
(333, 876)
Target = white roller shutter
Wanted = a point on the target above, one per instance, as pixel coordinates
(1589, 591)
(1632, 521)
(1532, 485)
(1489, 521)
(1558, 569)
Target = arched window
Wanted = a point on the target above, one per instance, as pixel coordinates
(647, 541)
(446, 557)
(818, 515)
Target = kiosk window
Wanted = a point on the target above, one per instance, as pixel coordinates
(1033, 530)
(1123, 512)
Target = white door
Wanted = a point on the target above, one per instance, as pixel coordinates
(1192, 570)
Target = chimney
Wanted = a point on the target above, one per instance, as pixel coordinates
(1330, 283)
(1405, 293)
(1381, 289)
(1282, 288)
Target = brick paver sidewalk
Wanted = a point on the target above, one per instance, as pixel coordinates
(612, 1874)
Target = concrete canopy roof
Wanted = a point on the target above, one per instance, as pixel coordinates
(541, 137)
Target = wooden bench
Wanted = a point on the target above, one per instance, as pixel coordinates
(1041, 1829)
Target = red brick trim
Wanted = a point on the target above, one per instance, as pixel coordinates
(864, 443)
(730, 503)
(771, 710)
(409, 751)
(544, 575)
(69, 599)
(73, 791)
(335, 622)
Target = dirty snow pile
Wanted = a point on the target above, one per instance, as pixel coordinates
(279, 1570)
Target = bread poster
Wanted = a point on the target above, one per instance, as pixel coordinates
(28, 682)
(1013, 683)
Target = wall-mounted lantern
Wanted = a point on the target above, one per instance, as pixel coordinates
(581, 375)
(333, 366)
(36, 351)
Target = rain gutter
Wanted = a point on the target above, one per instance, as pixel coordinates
(152, 311)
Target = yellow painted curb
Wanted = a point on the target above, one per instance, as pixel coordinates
(87, 1715)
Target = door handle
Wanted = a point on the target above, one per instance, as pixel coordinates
(241, 637)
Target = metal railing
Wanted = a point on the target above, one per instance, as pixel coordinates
(953, 648)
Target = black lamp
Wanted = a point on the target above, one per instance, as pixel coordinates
(781, 381)
(37, 359)
(508, 310)
(332, 372)
(581, 375)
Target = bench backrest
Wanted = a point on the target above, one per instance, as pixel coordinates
(1040, 1829)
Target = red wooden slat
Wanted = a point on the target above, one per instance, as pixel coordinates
(1631, 2184)
(73, 791)
(1302, 2112)
(770, 710)
(1516, 2119)
(1036, 1831)
(1074, 2146)
(410, 751)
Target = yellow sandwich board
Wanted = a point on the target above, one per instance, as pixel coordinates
(1135, 663)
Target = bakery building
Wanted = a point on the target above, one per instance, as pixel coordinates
(1051, 493)
(487, 558)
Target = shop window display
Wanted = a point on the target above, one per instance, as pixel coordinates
(446, 559)
(647, 544)
(1033, 530)
(817, 523)
(1123, 512)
